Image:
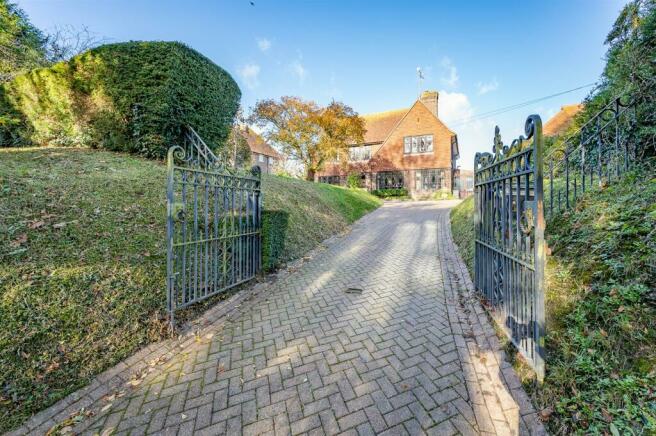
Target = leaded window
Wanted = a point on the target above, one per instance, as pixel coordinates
(429, 180)
(332, 180)
(389, 180)
(418, 144)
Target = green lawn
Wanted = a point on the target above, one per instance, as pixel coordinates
(601, 310)
(82, 262)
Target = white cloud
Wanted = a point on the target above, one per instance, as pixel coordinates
(250, 75)
(456, 110)
(484, 88)
(450, 77)
(263, 44)
(454, 107)
(297, 69)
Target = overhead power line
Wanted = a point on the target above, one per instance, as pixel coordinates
(516, 106)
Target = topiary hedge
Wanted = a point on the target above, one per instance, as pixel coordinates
(134, 97)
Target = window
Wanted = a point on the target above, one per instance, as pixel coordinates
(429, 180)
(359, 153)
(271, 161)
(389, 180)
(261, 158)
(332, 180)
(418, 144)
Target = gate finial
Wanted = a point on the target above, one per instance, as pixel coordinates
(498, 144)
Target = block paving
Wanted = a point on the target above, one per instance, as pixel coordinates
(413, 353)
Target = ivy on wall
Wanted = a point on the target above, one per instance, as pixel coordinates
(133, 97)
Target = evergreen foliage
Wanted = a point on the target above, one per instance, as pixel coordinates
(22, 46)
(135, 97)
(631, 71)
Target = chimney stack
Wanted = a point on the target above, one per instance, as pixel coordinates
(429, 99)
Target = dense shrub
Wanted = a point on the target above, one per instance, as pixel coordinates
(275, 224)
(354, 180)
(134, 97)
(389, 193)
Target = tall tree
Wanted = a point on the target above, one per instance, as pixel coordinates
(307, 132)
(631, 70)
(22, 45)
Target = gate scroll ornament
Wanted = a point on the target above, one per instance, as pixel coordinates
(509, 238)
(214, 222)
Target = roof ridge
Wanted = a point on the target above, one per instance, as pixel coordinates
(387, 112)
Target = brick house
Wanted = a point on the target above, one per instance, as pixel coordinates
(464, 183)
(262, 154)
(406, 148)
(560, 122)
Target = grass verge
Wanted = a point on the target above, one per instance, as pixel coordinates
(601, 310)
(82, 262)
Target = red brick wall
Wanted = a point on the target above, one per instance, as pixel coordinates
(389, 156)
(419, 121)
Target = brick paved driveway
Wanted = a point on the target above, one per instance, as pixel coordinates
(412, 354)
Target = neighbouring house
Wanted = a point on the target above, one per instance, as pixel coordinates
(262, 154)
(463, 183)
(406, 148)
(559, 123)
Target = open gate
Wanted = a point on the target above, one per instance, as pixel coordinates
(213, 224)
(509, 232)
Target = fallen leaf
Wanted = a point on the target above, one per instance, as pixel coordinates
(53, 366)
(107, 432)
(36, 224)
(63, 224)
(107, 407)
(20, 239)
(545, 414)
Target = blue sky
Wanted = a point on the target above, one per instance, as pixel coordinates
(480, 55)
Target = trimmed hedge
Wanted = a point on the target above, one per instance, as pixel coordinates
(275, 225)
(389, 193)
(133, 97)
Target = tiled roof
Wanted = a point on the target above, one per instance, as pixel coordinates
(559, 123)
(380, 124)
(257, 144)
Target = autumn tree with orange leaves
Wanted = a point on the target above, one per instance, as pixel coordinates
(307, 132)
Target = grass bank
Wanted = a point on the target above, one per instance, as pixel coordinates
(601, 310)
(82, 262)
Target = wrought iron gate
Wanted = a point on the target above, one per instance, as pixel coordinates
(213, 224)
(509, 226)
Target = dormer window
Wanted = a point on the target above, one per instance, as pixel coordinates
(418, 144)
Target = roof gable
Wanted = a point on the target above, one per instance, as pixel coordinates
(379, 125)
(559, 123)
(257, 144)
(418, 105)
